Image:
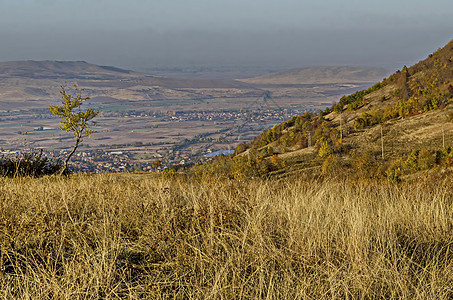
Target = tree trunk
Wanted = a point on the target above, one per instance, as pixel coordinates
(65, 163)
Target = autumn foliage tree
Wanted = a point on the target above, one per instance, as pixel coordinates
(74, 118)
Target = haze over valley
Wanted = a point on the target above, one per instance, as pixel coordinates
(152, 117)
(206, 76)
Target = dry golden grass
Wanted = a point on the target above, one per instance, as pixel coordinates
(112, 236)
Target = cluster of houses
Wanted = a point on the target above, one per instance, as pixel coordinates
(274, 114)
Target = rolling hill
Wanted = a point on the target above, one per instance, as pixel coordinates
(32, 84)
(92, 75)
(320, 75)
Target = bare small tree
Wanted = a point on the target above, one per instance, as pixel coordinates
(74, 118)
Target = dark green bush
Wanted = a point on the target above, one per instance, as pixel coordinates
(31, 163)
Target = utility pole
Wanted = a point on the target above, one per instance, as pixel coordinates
(382, 143)
(443, 136)
(309, 138)
(341, 123)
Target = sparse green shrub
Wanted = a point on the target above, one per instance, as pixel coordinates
(324, 149)
(360, 123)
(240, 148)
(277, 163)
(366, 166)
(439, 157)
(395, 170)
(156, 164)
(337, 108)
(354, 100)
(331, 165)
(269, 151)
(442, 156)
(412, 160)
(249, 167)
(426, 159)
(169, 173)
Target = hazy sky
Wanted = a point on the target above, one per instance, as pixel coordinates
(140, 34)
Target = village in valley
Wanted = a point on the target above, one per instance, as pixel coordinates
(237, 127)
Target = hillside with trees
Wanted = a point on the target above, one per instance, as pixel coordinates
(399, 126)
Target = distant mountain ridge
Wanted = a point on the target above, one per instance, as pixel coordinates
(37, 80)
(321, 75)
(62, 69)
(53, 73)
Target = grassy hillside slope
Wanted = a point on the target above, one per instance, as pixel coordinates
(409, 113)
(120, 236)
